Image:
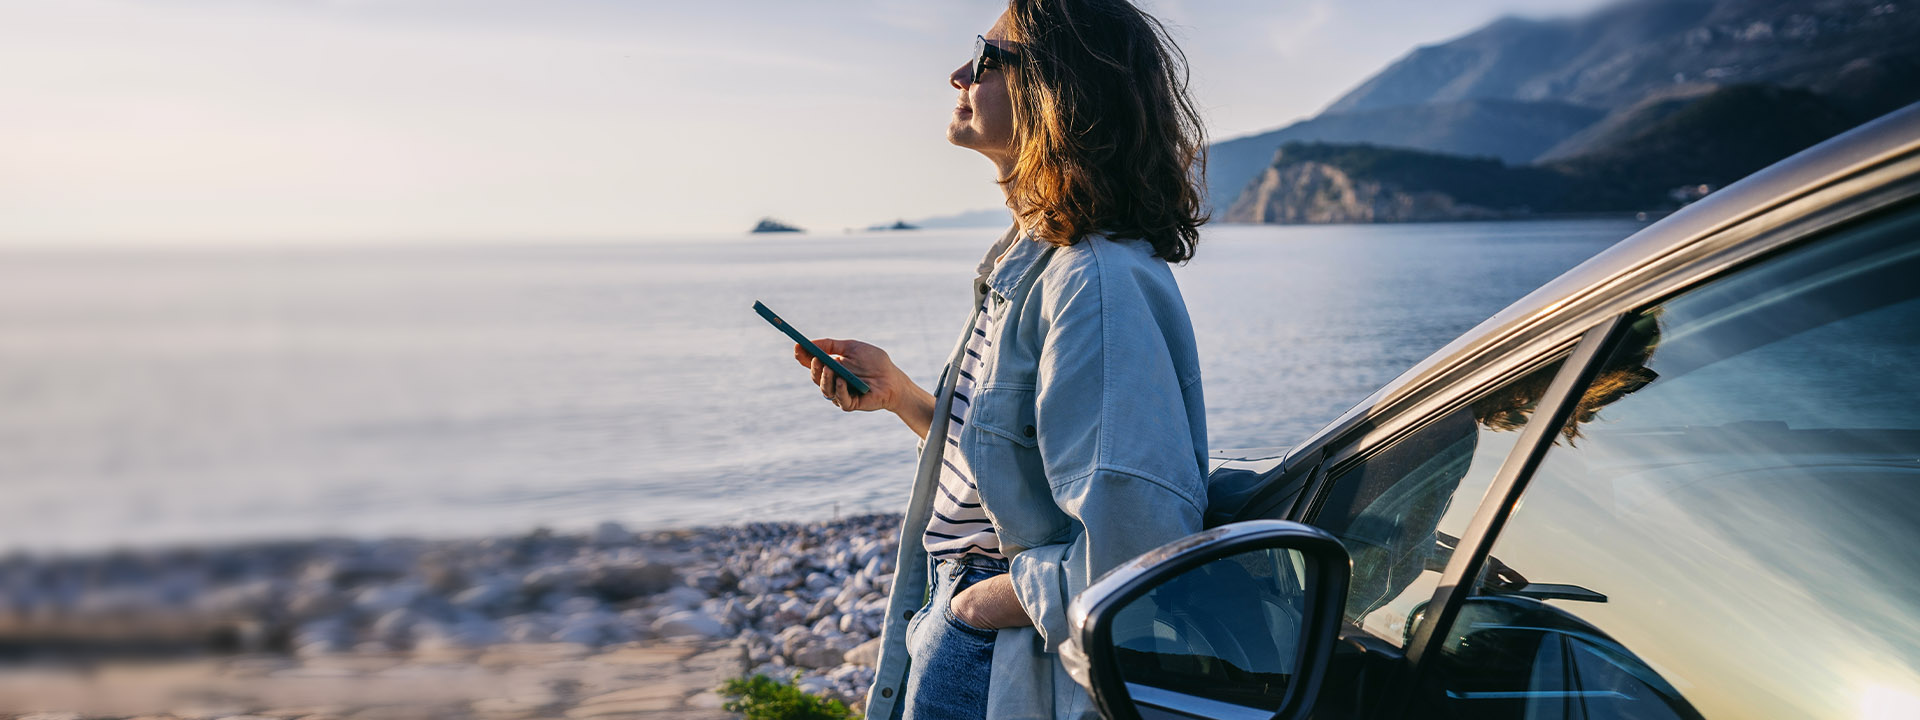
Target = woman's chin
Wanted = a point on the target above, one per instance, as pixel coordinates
(959, 134)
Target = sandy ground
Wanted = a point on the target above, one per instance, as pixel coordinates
(667, 680)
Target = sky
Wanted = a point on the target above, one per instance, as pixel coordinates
(274, 121)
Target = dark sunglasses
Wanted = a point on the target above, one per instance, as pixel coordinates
(985, 52)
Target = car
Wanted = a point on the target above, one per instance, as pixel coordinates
(1681, 480)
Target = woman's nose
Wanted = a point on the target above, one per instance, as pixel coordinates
(958, 79)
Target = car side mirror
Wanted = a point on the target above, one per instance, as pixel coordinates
(1234, 622)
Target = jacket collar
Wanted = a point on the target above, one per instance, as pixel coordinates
(1007, 274)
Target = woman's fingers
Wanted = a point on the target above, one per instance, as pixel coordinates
(840, 396)
(832, 387)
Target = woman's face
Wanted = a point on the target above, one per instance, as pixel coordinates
(983, 116)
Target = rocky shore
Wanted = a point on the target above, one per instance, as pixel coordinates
(692, 607)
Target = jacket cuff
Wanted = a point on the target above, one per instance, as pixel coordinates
(1040, 584)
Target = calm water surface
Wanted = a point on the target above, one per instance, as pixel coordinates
(208, 394)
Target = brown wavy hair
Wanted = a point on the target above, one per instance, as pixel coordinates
(1106, 138)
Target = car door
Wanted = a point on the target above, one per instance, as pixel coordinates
(1727, 525)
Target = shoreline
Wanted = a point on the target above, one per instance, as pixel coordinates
(701, 604)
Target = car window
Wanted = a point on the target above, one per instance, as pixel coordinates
(1729, 525)
(1401, 511)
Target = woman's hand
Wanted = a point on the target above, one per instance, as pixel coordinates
(885, 382)
(887, 387)
(990, 605)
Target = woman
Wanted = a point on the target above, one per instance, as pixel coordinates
(1067, 434)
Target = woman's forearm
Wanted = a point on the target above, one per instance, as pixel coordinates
(915, 408)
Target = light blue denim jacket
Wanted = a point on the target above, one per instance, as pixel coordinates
(1087, 437)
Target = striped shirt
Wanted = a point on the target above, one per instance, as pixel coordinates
(959, 525)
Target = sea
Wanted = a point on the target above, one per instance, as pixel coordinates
(194, 395)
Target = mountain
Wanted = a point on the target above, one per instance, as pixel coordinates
(1622, 122)
(1713, 141)
(1510, 130)
(1660, 157)
(1550, 91)
(1601, 60)
(1620, 55)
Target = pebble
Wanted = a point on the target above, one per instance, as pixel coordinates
(688, 622)
(806, 596)
(866, 654)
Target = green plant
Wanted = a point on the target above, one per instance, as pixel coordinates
(764, 698)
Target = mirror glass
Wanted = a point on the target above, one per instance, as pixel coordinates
(1220, 640)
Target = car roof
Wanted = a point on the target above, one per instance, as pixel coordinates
(1557, 304)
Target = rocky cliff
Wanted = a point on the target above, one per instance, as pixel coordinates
(1513, 131)
(1333, 183)
(1316, 192)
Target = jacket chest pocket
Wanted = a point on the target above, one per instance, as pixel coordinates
(1005, 414)
(1001, 445)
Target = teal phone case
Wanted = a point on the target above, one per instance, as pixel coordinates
(853, 382)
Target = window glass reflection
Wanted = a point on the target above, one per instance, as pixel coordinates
(1401, 512)
(1727, 528)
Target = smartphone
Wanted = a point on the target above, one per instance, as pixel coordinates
(854, 383)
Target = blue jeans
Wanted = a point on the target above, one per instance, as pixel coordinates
(949, 660)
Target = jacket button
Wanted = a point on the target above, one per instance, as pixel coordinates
(1028, 431)
(886, 692)
(908, 615)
